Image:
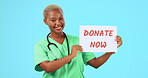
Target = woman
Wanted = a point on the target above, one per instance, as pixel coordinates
(60, 55)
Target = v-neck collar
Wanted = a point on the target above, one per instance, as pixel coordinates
(58, 44)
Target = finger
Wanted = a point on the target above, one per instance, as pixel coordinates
(117, 40)
(118, 37)
(77, 47)
(81, 50)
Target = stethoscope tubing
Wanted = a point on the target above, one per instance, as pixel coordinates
(49, 43)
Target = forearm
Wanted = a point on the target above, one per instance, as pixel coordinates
(97, 62)
(102, 59)
(50, 66)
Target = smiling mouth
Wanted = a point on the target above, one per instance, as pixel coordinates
(58, 28)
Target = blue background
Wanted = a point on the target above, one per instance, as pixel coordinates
(21, 26)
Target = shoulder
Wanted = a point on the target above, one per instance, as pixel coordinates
(41, 42)
(71, 37)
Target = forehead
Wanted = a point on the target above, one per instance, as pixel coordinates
(54, 13)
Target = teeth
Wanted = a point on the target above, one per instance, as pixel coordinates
(58, 28)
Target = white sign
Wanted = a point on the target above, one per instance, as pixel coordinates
(98, 38)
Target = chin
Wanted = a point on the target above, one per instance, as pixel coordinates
(58, 32)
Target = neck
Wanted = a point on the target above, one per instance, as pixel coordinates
(57, 35)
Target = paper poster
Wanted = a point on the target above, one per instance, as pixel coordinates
(98, 38)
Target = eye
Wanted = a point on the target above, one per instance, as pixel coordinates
(61, 18)
(53, 20)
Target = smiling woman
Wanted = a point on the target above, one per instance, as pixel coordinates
(54, 19)
(60, 55)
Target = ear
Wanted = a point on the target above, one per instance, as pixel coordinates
(45, 21)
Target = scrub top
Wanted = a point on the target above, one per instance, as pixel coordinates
(74, 69)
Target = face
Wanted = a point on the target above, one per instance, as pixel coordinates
(55, 20)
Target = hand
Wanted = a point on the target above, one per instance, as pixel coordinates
(119, 41)
(76, 49)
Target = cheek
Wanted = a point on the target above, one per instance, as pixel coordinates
(51, 24)
(63, 22)
(49, 27)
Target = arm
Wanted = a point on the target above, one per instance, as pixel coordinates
(97, 62)
(50, 66)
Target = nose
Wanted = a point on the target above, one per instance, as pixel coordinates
(58, 23)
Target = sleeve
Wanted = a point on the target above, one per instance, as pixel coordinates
(40, 55)
(87, 56)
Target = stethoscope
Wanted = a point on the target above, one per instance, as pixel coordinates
(49, 43)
